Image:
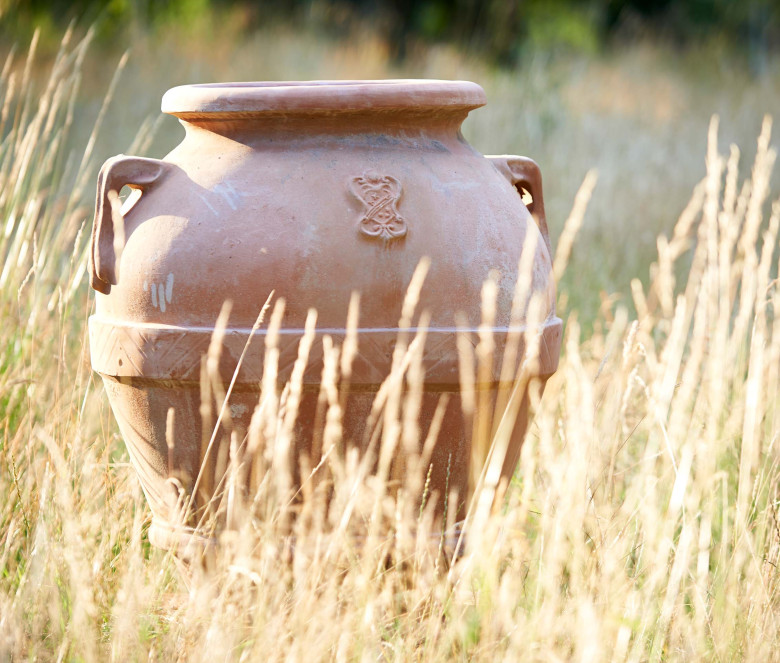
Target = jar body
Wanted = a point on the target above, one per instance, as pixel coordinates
(313, 209)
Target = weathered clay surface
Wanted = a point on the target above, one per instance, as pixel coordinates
(314, 190)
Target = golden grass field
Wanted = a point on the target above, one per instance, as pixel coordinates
(644, 520)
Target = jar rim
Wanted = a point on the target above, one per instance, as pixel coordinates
(322, 96)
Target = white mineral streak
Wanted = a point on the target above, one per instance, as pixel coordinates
(169, 287)
(162, 293)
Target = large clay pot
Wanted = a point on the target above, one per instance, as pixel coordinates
(315, 190)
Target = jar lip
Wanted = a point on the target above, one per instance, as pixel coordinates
(292, 97)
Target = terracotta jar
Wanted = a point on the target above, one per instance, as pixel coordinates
(314, 190)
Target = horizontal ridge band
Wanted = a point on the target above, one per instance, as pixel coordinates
(169, 353)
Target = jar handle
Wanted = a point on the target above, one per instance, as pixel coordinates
(118, 171)
(525, 175)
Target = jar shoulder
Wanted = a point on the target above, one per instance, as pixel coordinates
(316, 224)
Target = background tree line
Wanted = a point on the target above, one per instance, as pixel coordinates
(499, 29)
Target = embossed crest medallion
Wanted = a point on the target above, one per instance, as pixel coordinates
(380, 195)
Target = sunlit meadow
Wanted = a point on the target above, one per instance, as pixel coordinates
(643, 521)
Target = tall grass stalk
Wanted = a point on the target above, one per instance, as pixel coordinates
(642, 523)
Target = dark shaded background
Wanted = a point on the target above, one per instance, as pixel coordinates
(497, 29)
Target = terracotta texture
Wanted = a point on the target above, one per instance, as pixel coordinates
(315, 190)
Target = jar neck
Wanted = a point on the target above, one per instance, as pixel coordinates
(249, 128)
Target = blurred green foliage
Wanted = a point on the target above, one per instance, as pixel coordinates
(500, 29)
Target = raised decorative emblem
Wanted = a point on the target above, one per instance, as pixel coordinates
(380, 195)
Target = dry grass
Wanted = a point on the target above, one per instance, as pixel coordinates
(643, 524)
